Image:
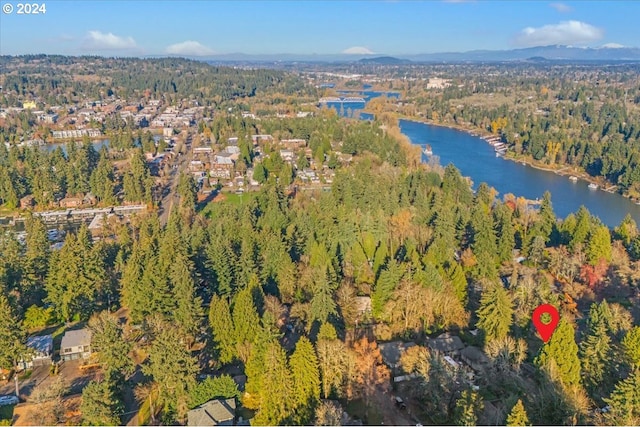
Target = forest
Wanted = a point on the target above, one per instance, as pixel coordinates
(272, 284)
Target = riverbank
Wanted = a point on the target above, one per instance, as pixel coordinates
(562, 170)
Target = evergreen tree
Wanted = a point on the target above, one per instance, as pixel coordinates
(107, 341)
(495, 313)
(625, 401)
(562, 351)
(518, 415)
(12, 337)
(276, 392)
(222, 387)
(631, 346)
(483, 243)
(100, 404)
(506, 233)
(260, 173)
(547, 218)
(595, 351)
(222, 328)
(188, 306)
(171, 365)
(457, 278)
(246, 322)
(306, 380)
(599, 245)
(188, 191)
(103, 181)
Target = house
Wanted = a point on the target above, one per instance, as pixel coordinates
(41, 351)
(446, 344)
(392, 351)
(475, 358)
(224, 158)
(76, 345)
(27, 202)
(217, 412)
(70, 202)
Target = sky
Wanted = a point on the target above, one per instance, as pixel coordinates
(305, 27)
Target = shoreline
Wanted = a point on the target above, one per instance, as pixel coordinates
(562, 170)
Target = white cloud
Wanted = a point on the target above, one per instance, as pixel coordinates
(358, 50)
(189, 48)
(108, 41)
(565, 33)
(612, 46)
(561, 7)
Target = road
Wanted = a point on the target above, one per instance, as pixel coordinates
(170, 191)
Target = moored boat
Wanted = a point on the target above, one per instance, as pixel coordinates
(593, 186)
(573, 179)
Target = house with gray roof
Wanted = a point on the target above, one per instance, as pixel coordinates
(217, 412)
(76, 345)
(446, 344)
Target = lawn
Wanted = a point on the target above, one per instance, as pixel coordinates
(232, 198)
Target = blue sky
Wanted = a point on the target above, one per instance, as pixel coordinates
(202, 28)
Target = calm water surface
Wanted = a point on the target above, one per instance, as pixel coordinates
(476, 159)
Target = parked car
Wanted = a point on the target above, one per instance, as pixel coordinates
(8, 399)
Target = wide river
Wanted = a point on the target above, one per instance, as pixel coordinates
(476, 159)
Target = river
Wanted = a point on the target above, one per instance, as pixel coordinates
(476, 159)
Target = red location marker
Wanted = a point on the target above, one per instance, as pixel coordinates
(545, 330)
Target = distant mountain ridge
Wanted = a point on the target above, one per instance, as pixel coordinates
(554, 52)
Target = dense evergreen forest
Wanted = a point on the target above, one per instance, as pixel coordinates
(272, 285)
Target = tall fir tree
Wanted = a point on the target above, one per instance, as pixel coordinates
(222, 328)
(625, 401)
(496, 312)
(562, 351)
(306, 380)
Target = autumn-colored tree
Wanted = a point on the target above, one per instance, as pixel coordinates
(371, 372)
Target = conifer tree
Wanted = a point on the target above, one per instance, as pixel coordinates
(306, 380)
(107, 341)
(103, 181)
(595, 351)
(631, 346)
(222, 328)
(12, 337)
(495, 313)
(518, 415)
(100, 404)
(276, 392)
(246, 322)
(625, 401)
(170, 364)
(562, 351)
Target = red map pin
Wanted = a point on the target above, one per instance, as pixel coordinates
(545, 329)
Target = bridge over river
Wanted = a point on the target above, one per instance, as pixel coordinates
(333, 99)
